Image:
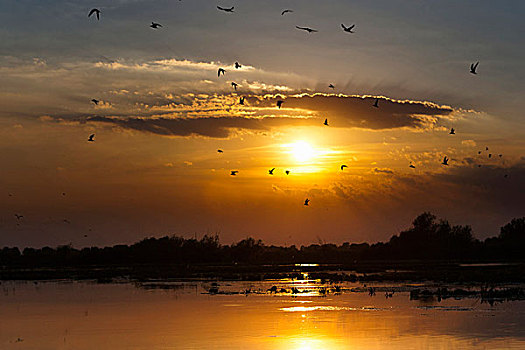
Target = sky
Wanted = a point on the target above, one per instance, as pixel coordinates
(163, 113)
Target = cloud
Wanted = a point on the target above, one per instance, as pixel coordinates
(217, 115)
(220, 127)
(383, 171)
(470, 143)
(357, 110)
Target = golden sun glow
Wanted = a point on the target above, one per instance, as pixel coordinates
(301, 151)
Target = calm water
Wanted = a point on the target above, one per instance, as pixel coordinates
(87, 316)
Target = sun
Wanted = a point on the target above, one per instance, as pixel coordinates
(302, 151)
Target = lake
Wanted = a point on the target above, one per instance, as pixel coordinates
(184, 315)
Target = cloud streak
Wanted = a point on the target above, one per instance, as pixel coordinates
(220, 127)
(217, 115)
(357, 111)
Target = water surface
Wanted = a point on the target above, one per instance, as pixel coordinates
(182, 315)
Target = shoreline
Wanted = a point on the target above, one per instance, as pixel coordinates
(372, 271)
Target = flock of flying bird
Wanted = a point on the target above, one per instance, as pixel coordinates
(237, 65)
(221, 71)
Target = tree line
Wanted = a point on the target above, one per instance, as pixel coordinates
(427, 239)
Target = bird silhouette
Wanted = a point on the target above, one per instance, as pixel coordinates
(95, 11)
(155, 25)
(309, 30)
(220, 71)
(18, 217)
(95, 101)
(220, 151)
(306, 201)
(286, 11)
(473, 68)
(452, 131)
(325, 122)
(271, 171)
(344, 166)
(234, 172)
(237, 65)
(348, 29)
(280, 103)
(91, 138)
(287, 172)
(331, 86)
(234, 84)
(226, 9)
(241, 100)
(445, 161)
(412, 166)
(376, 103)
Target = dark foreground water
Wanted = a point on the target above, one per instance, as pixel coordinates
(182, 315)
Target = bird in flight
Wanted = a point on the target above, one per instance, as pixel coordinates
(18, 217)
(445, 161)
(348, 29)
(220, 151)
(325, 122)
(309, 30)
(237, 65)
(271, 171)
(473, 68)
(95, 101)
(412, 166)
(343, 167)
(286, 11)
(91, 138)
(241, 101)
(234, 84)
(225, 9)
(280, 103)
(452, 131)
(331, 86)
(306, 201)
(234, 172)
(155, 25)
(95, 11)
(220, 71)
(376, 103)
(287, 172)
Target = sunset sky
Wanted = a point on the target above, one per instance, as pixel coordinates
(154, 168)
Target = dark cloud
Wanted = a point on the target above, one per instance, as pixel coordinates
(383, 171)
(217, 115)
(358, 111)
(209, 126)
